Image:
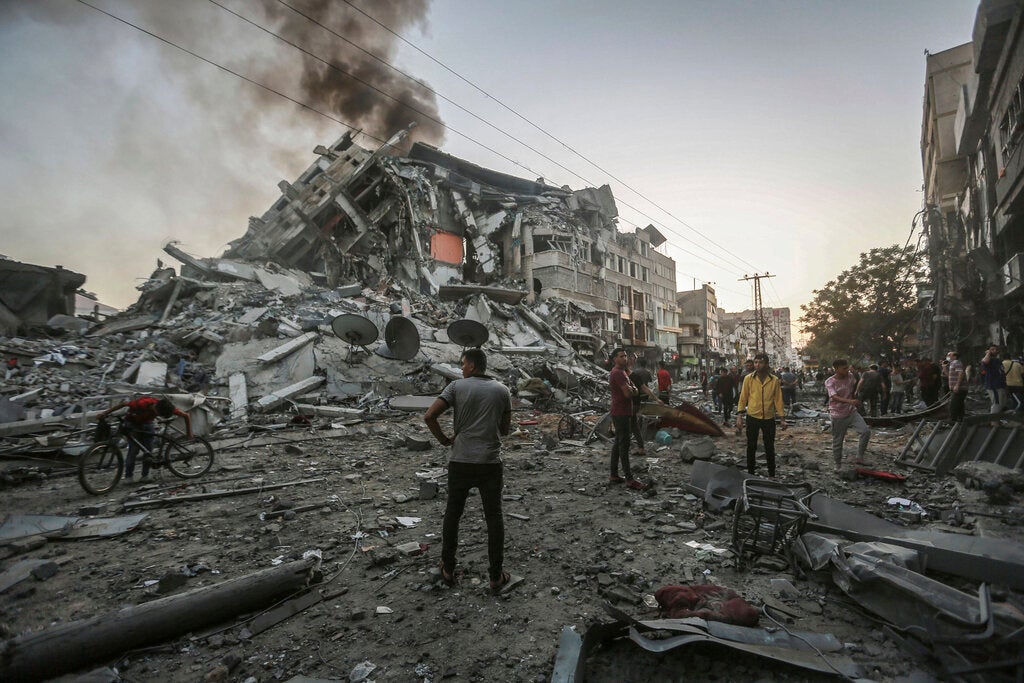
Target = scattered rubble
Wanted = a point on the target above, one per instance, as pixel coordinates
(319, 445)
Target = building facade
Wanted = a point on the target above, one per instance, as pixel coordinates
(777, 335)
(701, 343)
(973, 162)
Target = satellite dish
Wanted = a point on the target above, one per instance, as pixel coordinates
(401, 339)
(357, 330)
(467, 333)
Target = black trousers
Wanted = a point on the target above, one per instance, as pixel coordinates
(767, 428)
(957, 409)
(488, 479)
(620, 448)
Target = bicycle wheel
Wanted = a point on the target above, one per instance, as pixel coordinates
(187, 459)
(100, 467)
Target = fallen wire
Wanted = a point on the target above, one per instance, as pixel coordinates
(764, 610)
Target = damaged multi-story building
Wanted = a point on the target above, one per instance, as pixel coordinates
(971, 140)
(439, 225)
(31, 295)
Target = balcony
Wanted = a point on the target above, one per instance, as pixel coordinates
(1009, 186)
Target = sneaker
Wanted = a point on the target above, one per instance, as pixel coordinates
(615, 480)
(145, 480)
(636, 485)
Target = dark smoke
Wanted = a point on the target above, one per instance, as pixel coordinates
(211, 31)
(345, 96)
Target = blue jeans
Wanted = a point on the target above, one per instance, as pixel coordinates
(143, 434)
(488, 479)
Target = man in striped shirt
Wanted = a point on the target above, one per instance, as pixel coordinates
(842, 409)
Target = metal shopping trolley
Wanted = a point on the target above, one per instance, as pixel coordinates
(769, 517)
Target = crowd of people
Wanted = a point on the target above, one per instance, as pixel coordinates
(483, 409)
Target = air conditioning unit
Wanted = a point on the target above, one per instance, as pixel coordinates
(1013, 270)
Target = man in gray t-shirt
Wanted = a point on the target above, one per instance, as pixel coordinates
(483, 411)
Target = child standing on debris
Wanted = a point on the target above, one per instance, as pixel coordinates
(142, 412)
(842, 408)
(483, 410)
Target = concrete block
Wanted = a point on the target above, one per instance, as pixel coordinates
(417, 443)
(697, 449)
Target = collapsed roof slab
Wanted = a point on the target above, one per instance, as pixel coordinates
(423, 152)
(501, 294)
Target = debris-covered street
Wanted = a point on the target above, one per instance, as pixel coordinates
(237, 450)
(359, 482)
(363, 497)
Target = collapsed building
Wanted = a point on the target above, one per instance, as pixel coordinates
(426, 236)
(433, 222)
(430, 240)
(33, 295)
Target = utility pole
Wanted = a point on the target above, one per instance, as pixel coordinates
(758, 311)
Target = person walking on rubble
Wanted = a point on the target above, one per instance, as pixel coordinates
(761, 398)
(623, 391)
(898, 390)
(928, 377)
(726, 389)
(483, 413)
(141, 414)
(664, 383)
(641, 378)
(995, 378)
(958, 387)
(869, 388)
(789, 380)
(842, 409)
(1014, 373)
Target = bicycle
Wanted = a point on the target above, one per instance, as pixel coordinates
(100, 468)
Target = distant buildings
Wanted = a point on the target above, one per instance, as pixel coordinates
(777, 334)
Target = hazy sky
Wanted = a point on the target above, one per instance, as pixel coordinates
(786, 132)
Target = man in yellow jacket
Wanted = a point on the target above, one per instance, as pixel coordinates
(761, 399)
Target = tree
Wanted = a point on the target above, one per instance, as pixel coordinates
(868, 309)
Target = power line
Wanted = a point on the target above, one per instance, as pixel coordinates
(233, 73)
(346, 124)
(525, 119)
(538, 127)
(439, 122)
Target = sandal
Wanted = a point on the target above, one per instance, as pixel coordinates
(448, 577)
(499, 585)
